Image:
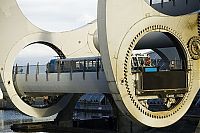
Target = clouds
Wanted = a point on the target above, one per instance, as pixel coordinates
(35, 53)
(59, 15)
(56, 16)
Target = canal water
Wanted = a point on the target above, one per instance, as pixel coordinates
(9, 117)
(185, 125)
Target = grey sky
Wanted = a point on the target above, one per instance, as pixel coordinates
(59, 15)
(53, 15)
(56, 16)
(34, 54)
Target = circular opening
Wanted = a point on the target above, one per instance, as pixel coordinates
(57, 16)
(37, 52)
(30, 67)
(159, 70)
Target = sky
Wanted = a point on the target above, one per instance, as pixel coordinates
(53, 16)
(59, 15)
(34, 54)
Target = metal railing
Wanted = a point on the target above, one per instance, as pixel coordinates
(162, 2)
(162, 65)
(175, 7)
(58, 68)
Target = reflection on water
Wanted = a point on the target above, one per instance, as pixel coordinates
(185, 125)
(9, 117)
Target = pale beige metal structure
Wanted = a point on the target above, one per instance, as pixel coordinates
(77, 84)
(121, 24)
(17, 32)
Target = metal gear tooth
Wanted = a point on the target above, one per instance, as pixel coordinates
(198, 24)
(135, 102)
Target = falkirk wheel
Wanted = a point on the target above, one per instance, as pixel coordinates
(121, 27)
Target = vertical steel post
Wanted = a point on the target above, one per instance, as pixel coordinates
(162, 2)
(97, 68)
(15, 72)
(58, 70)
(150, 2)
(37, 71)
(27, 71)
(71, 69)
(174, 3)
(84, 68)
(16, 69)
(47, 72)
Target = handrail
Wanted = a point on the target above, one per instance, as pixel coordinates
(175, 7)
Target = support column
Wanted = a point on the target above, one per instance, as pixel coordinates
(64, 117)
(123, 123)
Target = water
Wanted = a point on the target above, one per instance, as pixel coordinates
(9, 117)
